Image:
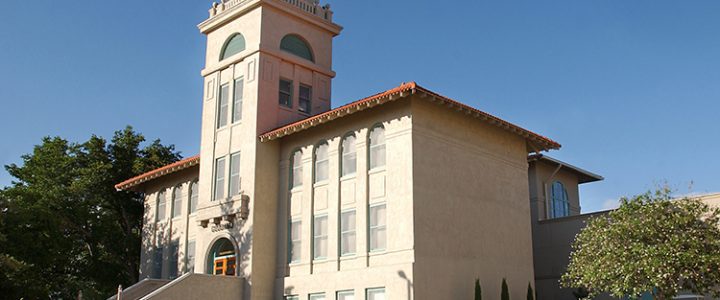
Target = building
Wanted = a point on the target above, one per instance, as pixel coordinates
(405, 194)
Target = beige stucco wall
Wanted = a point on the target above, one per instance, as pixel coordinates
(162, 232)
(391, 185)
(471, 209)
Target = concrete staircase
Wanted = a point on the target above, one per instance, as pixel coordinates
(140, 289)
(187, 286)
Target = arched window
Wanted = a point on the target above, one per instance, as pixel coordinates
(193, 196)
(321, 162)
(161, 207)
(296, 45)
(349, 157)
(377, 147)
(296, 173)
(560, 204)
(222, 259)
(177, 201)
(234, 45)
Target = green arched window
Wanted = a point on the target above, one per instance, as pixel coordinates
(297, 46)
(234, 45)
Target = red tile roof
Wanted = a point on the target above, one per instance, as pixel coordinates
(164, 170)
(537, 141)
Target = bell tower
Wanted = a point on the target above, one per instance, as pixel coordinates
(268, 63)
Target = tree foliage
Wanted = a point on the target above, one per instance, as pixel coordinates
(63, 226)
(650, 244)
(504, 293)
(478, 290)
(530, 294)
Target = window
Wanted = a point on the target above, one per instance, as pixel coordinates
(157, 262)
(237, 100)
(297, 46)
(286, 92)
(193, 196)
(292, 297)
(219, 178)
(318, 296)
(375, 294)
(222, 117)
(305, 98)
(177, 202)
(234, 174)
(173, 260)
(377, 147)
(346, 295)
(349, 156)
(377, 224)
(296, 174)
(321, 162)
(161, 206)
(295, 240)
(347, 233)
(190, 257)
(320, 237)
(560, 204)
(234, 45)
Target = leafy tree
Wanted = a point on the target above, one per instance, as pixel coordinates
(478, 290)
(504, 294)
(649, 244)
(63, 226)
(530, 294)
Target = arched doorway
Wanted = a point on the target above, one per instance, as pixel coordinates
(222, 258)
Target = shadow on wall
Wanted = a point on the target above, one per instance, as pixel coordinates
(409, 283)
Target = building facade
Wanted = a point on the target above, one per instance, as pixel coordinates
(405, 194)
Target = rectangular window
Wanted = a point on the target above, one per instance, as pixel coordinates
(378, 239)
(318, 296)
(161, 207)
(157, 263)
(234, 174)
(320, 237)
(173, 259)
(292, 297)
(297, 169)
(347, 233)
(305, 98)
(286, 87)
(346, 295)
(190, 257)
(295, 240)
(222, 117)
(193, 196)
(219, 178)
(177, 202)
(237, 100)
(375, 294)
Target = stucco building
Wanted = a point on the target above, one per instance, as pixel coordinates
(405, 194)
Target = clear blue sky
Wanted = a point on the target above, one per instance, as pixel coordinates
(631, 89)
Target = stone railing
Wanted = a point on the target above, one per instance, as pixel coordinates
(309, 6)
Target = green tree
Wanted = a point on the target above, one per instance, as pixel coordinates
(478, 290)
(504, 293)
(650, 244)
(530, 294)
(63, 226)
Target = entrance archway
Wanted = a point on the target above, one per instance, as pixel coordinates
(222, 258)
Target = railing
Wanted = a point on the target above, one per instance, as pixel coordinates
(309, 6)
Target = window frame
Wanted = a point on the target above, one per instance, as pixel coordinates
(344, 293)
(223, 52)
(190, 259)
(158, 203)
(289, 94)
(222, 118)
(314, 296)
(234, 158)
(316, 238)
(374, 228)
(293, 167)
(325, 161)
(344, 232)
(559, 204)
(372, 147)
(176, 210)
(293, 239)
(376, 289)
(219, 179)
(343, 156)
(238, 85)
(308, 100)
(192, 204)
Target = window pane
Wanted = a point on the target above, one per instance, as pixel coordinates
(237, 100)
(305, 98)
(296, 169)
(161, 206)
(220, 178)
(295, 241)
(317, 297)
(193, 196)
(223, 106)
(377, 224)
(157, 262)
(173, 261)
(376, 294)
(347, 230)
(321, 162)
(377, 147)
(294, 297)
(190, 264)
(235, 174)
(346, 295)
(177, 201)
(320, 237)
(349, 156)
(286, 88)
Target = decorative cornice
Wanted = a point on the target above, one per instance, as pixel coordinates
(164, 170)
